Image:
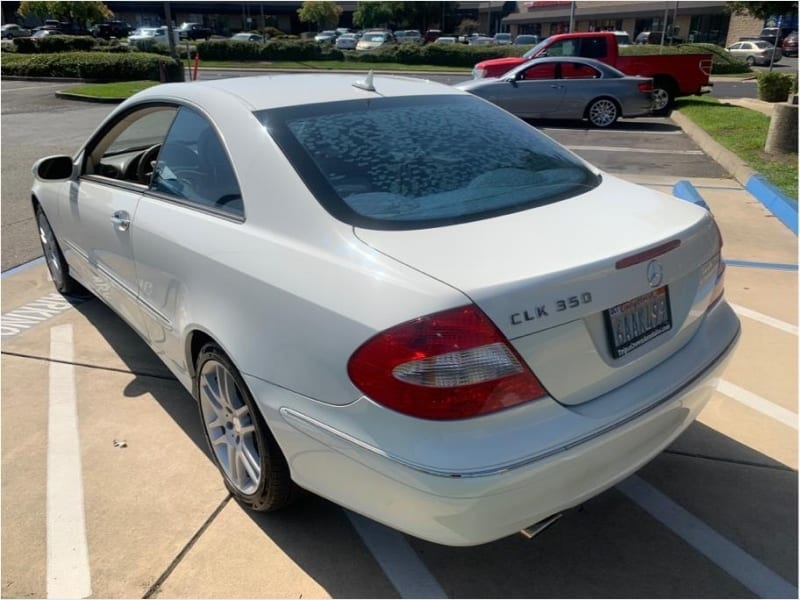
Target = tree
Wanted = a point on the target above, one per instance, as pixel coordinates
(374, 14)
(323, 14)
(762, 10)
(467, 26)
(73, 12)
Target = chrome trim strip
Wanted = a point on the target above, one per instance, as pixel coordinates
(290, 415)
(156, 313)
(77, 251)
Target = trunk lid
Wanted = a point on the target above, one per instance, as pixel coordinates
(558, 279)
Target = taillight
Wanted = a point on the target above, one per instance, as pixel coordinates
(719, 283)
(453, 364)
(646, 86)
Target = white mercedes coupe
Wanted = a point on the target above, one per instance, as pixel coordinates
(394, 294)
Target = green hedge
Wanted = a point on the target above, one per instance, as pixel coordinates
(99, 66)
(280, 49)
(54, 43)
(775, 87)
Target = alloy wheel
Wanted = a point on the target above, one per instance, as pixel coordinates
(230, 427)
(602, 113)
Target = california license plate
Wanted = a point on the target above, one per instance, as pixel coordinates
(636, 322)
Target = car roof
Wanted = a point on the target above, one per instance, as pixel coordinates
(275, 91)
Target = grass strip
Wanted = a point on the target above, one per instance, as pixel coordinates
(743, 131)
(117, 90)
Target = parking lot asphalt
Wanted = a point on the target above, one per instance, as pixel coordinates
(146, 514)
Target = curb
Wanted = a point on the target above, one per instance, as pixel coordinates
(772, 199)
(82, 98)
(684, 190)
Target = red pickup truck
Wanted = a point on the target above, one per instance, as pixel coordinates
(673, 74)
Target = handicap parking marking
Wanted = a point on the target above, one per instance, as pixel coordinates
(38, 311)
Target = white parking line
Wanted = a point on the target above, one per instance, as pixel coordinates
(758, 403)
(725, 554)
(637, 150)
(68, 574)
(767, 320)
(409, 575)
(606, 132)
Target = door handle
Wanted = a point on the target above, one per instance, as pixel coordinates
(121, 220)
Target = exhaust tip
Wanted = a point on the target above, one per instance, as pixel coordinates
(532, 531)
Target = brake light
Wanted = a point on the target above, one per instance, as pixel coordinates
(646, 86)
(453, 364)
(719, 284)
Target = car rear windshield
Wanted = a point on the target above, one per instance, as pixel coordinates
(426, 161)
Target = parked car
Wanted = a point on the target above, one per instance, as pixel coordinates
(193, 31)
(12, 30)
(61, 28)
(408, 36)
(331, 345)
(347, 41)
(503, 39)
(431, 35)
(790, 44)
(445, 40)
(525, 39)
(152, 34)
(655, 37)
(774, 35)
(755, 53)
(374, 39)
(481, 40)
(673, 74)
(623, 39)
(45, 33)
(567, 88)
(109, 29)
(249, 37)
(326, 37)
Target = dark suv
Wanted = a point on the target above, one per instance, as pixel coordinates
(771, 34)
(109, 29)
(193, 31)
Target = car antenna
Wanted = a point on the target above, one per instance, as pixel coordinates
(366, 84)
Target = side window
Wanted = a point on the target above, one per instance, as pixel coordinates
(127, 150)
(540, 71)
(563, 48)
(593, 48)
(571, 70)
(194, 166)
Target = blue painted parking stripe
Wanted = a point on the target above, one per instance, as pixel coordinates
(740, 565)
(761, 265)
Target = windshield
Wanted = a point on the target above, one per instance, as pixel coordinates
(377, 37)
(428, 161)
(535, 50)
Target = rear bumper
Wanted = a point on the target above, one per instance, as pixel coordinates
(470, 508)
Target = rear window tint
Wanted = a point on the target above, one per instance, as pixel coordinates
(419, 162)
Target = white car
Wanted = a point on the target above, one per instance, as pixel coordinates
(756, 52)
(374, 39)
(456, 344)
(155, 34)
(347, 41)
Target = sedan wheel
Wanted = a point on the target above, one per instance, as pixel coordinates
(750, 60)
(59, 270)
(603, 112)
(241, 445)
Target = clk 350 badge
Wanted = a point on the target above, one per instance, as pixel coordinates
(541, 311)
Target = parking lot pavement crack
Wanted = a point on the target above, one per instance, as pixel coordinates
(154, 589)
(47, 359)
(744, 463)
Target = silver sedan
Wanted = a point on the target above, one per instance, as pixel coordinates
(567, 88)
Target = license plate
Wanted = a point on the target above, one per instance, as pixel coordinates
(636, 322)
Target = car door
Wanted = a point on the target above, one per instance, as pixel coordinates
(99, 217)
(192, 212)
(581, 83)
(537, 91)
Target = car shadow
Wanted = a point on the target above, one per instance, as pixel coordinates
(591, 552)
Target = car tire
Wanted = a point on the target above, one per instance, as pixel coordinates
(663, 97)
(750, 61)
(252, 465)
(602, 112)
(56, 264)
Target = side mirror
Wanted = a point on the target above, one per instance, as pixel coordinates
(53, 168)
